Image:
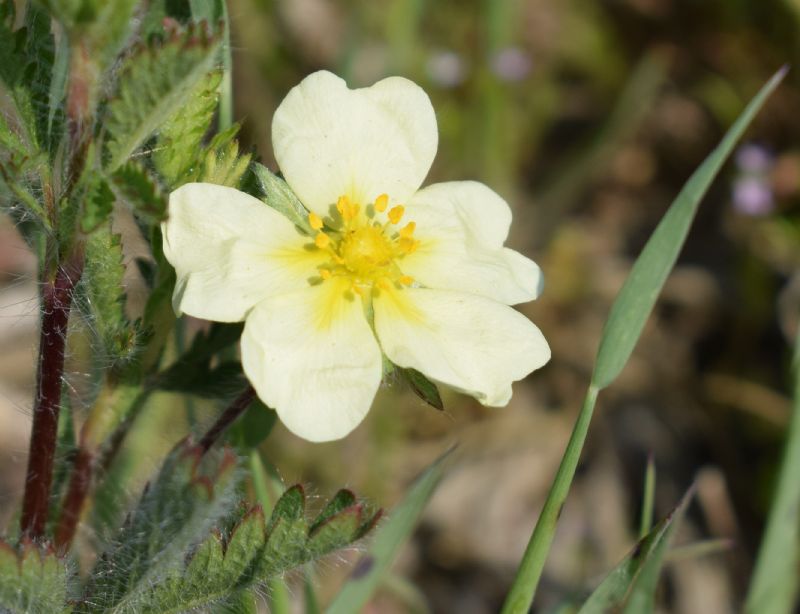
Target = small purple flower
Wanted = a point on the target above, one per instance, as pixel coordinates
(753, 158)
(511, 64)
(447, 69)
(752, 195)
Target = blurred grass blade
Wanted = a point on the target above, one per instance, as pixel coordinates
(649, 495)
(626, 320)
(776, 582)
(386, 543)
(638, 295)
(643, 562)
(641, 594)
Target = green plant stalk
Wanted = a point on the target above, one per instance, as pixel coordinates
(225, 120)
(646, 521)
(521, 594)
(775, 584)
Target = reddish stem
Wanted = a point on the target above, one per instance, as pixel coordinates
(227, 418)
(73, 501)
(56, 303)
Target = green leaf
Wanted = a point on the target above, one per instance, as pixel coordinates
(253, 427)
(179, 140)
(641, 289)
(140, 190)
(101, 297)
(194, 371)
(366, 576)
(278, 195)
(633, 580)
(154, 83)
(423, 387)
(775, 584)
(628, 314)
(31, 580)
(190, 495)
(340, 501)
(98, 202)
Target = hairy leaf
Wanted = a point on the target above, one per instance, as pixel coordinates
(102, 296)
(31, 580)
(190, 495)
(140, 190)
(222, 163)
(178, 148)
(154, 83)
(219, 572)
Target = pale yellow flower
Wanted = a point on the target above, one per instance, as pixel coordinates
(419, 275)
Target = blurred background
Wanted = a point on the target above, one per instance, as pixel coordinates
(587, 116)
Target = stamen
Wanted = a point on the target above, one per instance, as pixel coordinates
(406, 280)
(408, 245)
(408, 230)
(347, 209)
(396, 213)
(325, 273)
(315, 221)
(322, 240)
(383, 284)
(381, 203)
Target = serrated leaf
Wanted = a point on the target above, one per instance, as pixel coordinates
(179, 140)
(423, 387)
(278, 195)
(246, 541)
(31, 580)
(154, 83)
(98, 202)
(340, 501)
(335, 532)
(636, 571)
(371, 568)
(140, 191)
(101, 296)
(190, 495)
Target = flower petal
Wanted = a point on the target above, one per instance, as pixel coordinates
(331, 141)
(312, 357)
(230, 251)
(462, 340)
(462, 226)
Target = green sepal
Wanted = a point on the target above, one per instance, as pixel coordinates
(422, 387)
(32, 579)
(277, 194)
(140, 190)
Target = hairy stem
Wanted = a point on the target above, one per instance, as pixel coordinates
(56, 304)
(79, 483)
(228, 417)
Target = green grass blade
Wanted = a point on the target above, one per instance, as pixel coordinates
(642, 592)
(776, 582)
(638, 295)
(645, 559)
(626, 320)
(530, 569)
(386, 543)
(649, 495)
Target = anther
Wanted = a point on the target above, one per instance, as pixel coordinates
(325, 273)
(408, 230)
(406, 280)
(322, 240)
(381, 203)
(315, 221)
(396, 213)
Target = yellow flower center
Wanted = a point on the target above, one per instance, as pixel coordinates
(363, 249)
